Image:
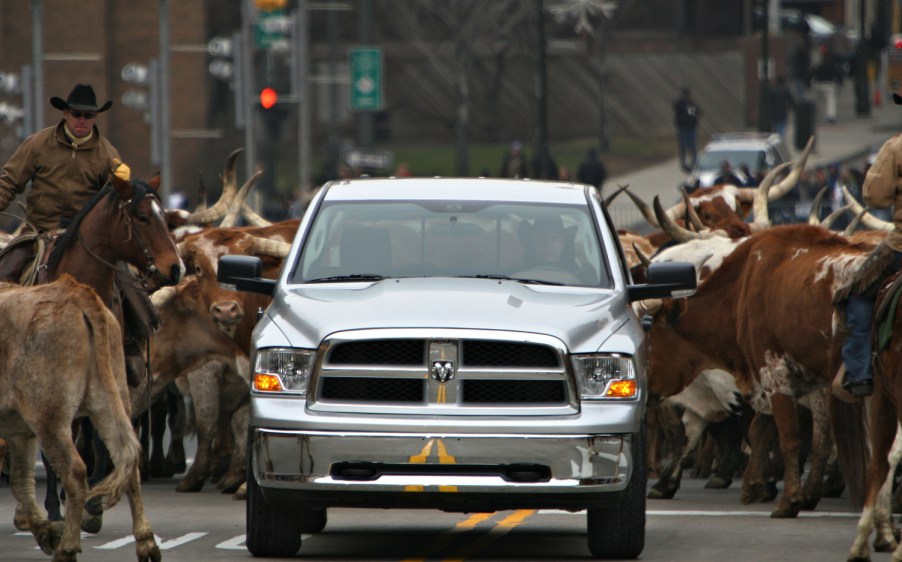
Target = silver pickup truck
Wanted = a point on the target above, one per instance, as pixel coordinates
(465, 345)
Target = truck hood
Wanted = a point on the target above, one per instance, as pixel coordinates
(580, 317)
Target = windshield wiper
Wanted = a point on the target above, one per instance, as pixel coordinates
(508, 278)
(351, 277)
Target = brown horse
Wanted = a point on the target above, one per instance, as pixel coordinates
(123, 222)
(885, 412)
(65, 360)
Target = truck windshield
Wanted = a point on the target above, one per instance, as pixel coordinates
(372, 240)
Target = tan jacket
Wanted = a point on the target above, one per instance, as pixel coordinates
(63, 176)
(883, 186)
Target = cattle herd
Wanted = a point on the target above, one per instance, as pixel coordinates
(744, 366)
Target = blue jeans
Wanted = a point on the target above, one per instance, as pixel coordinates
(858, 345)
(687, 147)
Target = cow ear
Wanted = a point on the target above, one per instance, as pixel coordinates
(678, 308)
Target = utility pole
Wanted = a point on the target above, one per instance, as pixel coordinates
(764, 123)
(165, 120)
(541, 82)
(37, 63)
(365, 119)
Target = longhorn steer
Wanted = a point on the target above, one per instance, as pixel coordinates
(65, 360)
(734, 323)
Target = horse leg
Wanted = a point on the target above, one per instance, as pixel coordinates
(63, 457)
(157, 436)
(875, 513)
(92, 520)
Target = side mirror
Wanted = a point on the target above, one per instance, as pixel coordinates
(666, 280)
(244, 273)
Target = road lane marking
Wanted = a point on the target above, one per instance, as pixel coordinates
(444, 538)
(503, 527)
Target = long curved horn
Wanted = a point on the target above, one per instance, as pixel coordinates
(643, 207)
(816, 207)
(162, 296)
(252, 217)
(792, 179)
(694, 219)
(762, 196)
(868, 219)
(231, 217)
(643, 259)
(853, 224)
(267, 247)
(670, 227)
(831, 218)
(610, 198)
(229, 188)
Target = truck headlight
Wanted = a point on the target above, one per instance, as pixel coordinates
(605, 376)
(282, 370)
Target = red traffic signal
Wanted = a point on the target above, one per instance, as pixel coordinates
(268, 98)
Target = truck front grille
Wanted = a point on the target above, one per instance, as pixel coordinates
(442, 372)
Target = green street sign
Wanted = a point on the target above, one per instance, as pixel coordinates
(366, 79)
(271, 30)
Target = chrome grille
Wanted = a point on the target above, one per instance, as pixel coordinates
(373, 390)
(379, 352)
(513, 392)
(478, 353)
(398, 372)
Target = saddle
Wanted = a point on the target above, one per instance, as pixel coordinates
(885, 309)
(21, 259)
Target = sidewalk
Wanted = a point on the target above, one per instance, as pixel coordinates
(847, 142)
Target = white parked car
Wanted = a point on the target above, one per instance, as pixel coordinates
(423, 351)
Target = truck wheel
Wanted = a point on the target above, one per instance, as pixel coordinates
(618, 531)
(312, 520)
(272, 531)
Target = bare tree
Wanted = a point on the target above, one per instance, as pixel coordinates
(592, 21)
(450, 35)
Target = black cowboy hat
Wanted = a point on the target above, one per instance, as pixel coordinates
(82, 98)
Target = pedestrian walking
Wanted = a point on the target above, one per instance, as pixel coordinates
(827, 79)
(686, 116)
(513, 164)
(592, 170)
(781, 102)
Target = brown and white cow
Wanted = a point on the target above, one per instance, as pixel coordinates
(765, 315)
(65, 360)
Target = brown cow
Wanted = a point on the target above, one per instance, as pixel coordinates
(736, 322)
(65, 360)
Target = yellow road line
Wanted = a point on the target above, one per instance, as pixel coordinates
(503, 527)
(446, 537)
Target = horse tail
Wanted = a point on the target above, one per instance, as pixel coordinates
(113, 421)
(850, 434)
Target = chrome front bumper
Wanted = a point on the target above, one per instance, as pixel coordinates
(340, 466)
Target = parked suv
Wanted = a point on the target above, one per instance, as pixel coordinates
(456, 344)
(757, 151)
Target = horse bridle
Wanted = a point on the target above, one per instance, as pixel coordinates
(128, 207)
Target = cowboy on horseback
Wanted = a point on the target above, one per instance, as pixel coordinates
(67, 165)
(882, 189)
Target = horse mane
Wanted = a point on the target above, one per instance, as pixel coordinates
(66, 239)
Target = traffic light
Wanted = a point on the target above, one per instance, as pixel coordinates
(270, 5)
(268, 98)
